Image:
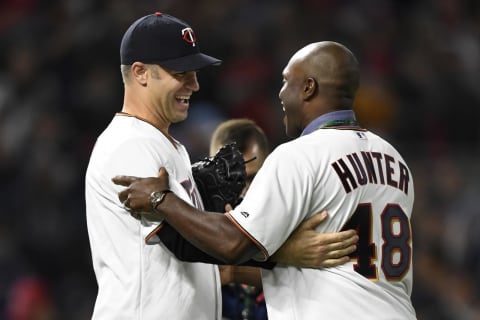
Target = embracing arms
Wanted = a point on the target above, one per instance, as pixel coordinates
(215, 234)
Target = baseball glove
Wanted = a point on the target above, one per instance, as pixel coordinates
(220, 179)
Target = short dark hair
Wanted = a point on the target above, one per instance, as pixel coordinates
(242, 132)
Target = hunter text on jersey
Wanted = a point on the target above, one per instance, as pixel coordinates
(375, 168)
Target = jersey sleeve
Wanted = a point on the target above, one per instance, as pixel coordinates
(277, 200)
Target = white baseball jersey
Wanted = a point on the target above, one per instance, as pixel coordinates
(364, 184)
(137, 280)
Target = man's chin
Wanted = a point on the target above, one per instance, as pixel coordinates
(181, 117)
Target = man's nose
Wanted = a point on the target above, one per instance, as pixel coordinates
(192, 82)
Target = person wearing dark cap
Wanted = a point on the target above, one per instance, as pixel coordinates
(137, 276)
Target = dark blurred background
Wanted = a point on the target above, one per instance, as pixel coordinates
(60, 85)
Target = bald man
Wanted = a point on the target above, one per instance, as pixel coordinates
(333, 163)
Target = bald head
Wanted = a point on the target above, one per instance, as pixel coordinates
(321, 77)
(333, 67)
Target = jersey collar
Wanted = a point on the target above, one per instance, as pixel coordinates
(327, 117)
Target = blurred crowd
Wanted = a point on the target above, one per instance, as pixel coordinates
(60, 85)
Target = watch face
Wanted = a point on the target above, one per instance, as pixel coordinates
(155, 198)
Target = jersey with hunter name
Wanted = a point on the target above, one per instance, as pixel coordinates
(365, 184)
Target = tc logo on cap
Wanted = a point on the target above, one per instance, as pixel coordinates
(189, 36)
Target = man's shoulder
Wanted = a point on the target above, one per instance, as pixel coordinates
(130, 130)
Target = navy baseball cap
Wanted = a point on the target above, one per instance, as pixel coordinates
(162, 39)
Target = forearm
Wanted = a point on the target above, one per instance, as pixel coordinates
(211, 232)
(185, 251)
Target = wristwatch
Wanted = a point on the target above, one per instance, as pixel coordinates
(156, 197)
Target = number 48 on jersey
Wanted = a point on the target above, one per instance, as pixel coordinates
(396, 249)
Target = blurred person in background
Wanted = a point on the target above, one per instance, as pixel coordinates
(242, 301)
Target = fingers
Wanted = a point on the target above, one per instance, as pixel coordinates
(331, 257)
(228, 207)
(346, 235)
(333, 249)
(344, 252)
(349, 237)
(162, 172)
(335, 262)
(124, 180)
(341, 240)
(341, 252)
(314, 221)
(339, 249)
(338, 238)
(136, 196)
(123, 196)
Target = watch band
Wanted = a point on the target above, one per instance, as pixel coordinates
(157, 197)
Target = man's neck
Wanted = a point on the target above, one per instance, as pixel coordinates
(340, 115)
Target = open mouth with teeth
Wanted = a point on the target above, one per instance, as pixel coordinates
(183, 99)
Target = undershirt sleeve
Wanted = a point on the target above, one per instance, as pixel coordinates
(187, 252)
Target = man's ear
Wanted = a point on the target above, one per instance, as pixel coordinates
(309, 88)
(140, 73)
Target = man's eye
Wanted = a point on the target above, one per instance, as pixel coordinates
(183, 74)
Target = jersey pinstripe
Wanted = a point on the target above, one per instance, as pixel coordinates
(365, 184)
(138, 280)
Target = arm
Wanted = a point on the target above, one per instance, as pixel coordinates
(211, 232)
(305, 247)
(308, 248)
(202, 229)
(185, 251)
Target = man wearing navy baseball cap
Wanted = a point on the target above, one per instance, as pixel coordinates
(165, 40)
(137, 277)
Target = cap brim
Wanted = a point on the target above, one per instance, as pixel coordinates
(192, 62)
